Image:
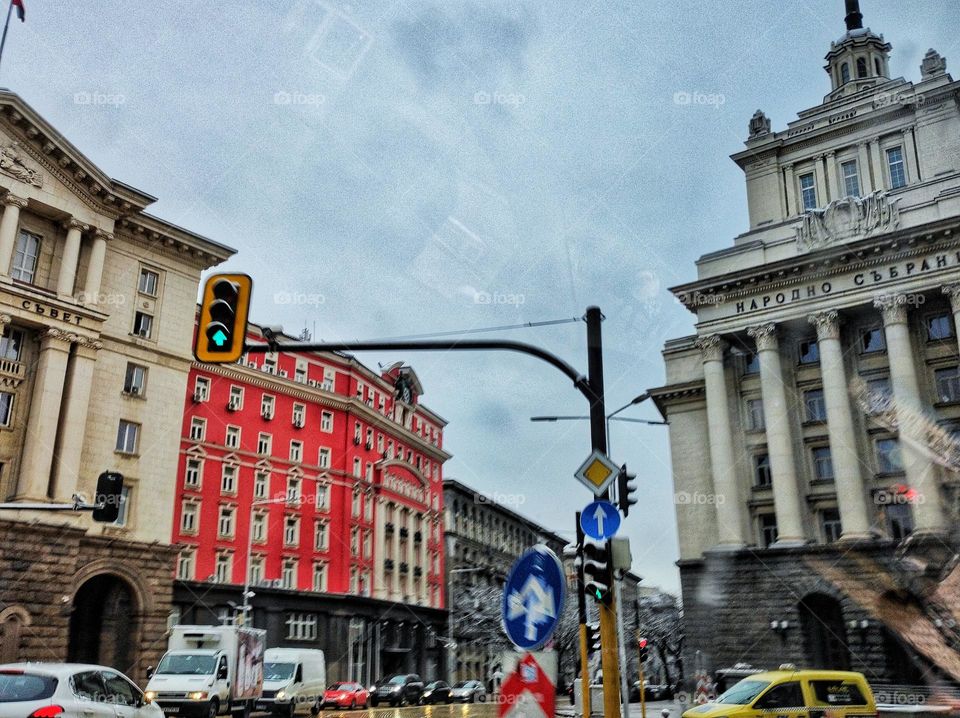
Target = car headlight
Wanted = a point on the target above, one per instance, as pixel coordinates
(281, 695)
(197, 695)
(149, 696)
(396, 689)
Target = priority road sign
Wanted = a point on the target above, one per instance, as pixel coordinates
(533, 598)
(600, 520)
(597, 473)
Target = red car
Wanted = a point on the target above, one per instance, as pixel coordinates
(346, 695)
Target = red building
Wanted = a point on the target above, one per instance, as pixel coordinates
(332, 475)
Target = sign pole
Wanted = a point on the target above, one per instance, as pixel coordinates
(582, 613)
(643, 691)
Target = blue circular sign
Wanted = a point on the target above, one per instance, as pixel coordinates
(533, 598)
(600, 520)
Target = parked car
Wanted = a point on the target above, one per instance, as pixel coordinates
(436, 692)
(652, 692)
(70, 690)
(293, 681)
(468, 692)
(398, 690)
(345, 695)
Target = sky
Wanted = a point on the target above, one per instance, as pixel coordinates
(395, 168)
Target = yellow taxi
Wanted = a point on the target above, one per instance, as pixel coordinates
(792, 693)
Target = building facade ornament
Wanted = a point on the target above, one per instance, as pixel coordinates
(58, 335)
(12, 200)
(5, 319)
(827, 324)
(933, 64)
(765, 335)
(74, 223)
(102, 234)
(711, 346)
(12, 164)
(759, 125)
(848, 217)
(951, 290)
(893, 307)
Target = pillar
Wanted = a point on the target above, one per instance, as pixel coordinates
(953, 291)
(910, 156)
(876, 164)
(71, 254)
(821, 179)
(410, 558)
(98, 253)
(863, 169)
(837, 190)
(791, 183)
(730, 524)
(379, 553)
(9, 223)
(37, 457)
(66, 470)
(786, 489)
(848, 479)
(919, 470)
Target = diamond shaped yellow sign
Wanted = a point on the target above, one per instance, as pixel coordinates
(597, 473)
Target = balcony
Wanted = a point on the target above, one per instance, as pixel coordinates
(404, 567)
(388, 564)
(11, 373)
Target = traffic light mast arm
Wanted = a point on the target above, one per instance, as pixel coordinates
(78, 505)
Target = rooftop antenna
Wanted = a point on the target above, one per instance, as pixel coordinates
(854, 18)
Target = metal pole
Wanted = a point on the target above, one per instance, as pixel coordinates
(582, 613)
(6, 26)
(643, 688)
(452, 650)
(246, 574)
(624, 692)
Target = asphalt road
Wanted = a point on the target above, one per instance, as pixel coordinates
(465, 710)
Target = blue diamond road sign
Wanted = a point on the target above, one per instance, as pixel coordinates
(600, 520)
(533, 598)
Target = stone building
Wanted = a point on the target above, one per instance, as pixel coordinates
(819, 527)
(97, 301)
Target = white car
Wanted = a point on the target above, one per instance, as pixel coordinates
(70, 690)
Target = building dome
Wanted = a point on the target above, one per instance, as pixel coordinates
(859, 59)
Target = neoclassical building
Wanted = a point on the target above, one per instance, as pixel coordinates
(97, 300)
(818, 524)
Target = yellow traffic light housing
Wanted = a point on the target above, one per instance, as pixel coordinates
(223, 318)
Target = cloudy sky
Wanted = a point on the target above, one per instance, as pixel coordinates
(395, 168)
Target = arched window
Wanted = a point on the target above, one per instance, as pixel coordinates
(844, 73)
(876, 66)
(824, 633)
(861, 67)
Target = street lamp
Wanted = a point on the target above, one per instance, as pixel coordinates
(247, 593)
(451, 641)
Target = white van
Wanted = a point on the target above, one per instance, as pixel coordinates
(294, 680)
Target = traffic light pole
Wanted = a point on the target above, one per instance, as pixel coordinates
(582, 613)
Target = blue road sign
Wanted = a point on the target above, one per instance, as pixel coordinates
(600, 520)
(533, 598)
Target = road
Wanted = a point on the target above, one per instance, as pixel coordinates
(476, 710)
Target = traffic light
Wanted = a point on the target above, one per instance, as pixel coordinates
(223, 318)
(593, 637)
(642, 643)
(598, 581)
(626, 485)
(108, 497)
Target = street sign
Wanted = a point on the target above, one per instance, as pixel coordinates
(533, 598)
(600, 520)
(529, 689)
(597, 473)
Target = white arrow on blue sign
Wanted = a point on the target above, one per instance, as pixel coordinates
(600, 520)
(533, 598)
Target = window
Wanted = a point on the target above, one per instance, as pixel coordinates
(751, 363)
(368, 508)
(296, 451)
(260, 481)
(355, 505)
(939, 326)
(185, 564)
(822, 463)
(135, 380)
(768, 529)
(128, 434)
(323, 461)
(808, 191)
(288, 575)
(898, 173)
(236, 398)
(809, 352)
(6, 408)
(11, 344)
(761, 470)
(302, 627)
(320, 577)
(368, 472)
(357, 467)
(225, 524)
(861, 72)
(124, 507)
(25, 257)
(380, 443)
(193, 473)
(291, 531)
(814, 407)
(224, 568)
(299, 415)
(755, 415)
(785, 695)
(269, 364)
(366, 545)
(326, 421)
(293, 488)
(851, 178)
(888, 456)
(259, 527)
(188, 517)
(228, 479)
(323, 496)
(232, 440)
(300, 372)
(149, 282)
(844, 73)
(835, 693)
(830, 522)
(143, 325)
(899, 519)
(198, 428)
(201, 389)
(264, 444)
(390, 448)
(320, 535)
(872, 340)
(878, 397)
(266, 406)
(354, 541)
(329, 376)
(356, 432)
(948, 384)
(256, 570)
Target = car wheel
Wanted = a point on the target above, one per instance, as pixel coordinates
(213, 708)
(353, 705)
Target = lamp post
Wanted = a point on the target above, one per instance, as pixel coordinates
(247, 594)
(451, 641)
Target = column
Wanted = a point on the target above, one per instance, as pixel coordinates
(66, 470)
(395, 552)
(927, 513)
(9, 223)
(98, 252)
(833, 177)
(953, 291)
(791, 190)
(410, 557)
(730, 525)
(781, 194)
(910, 156)
(379, 554)
(823, 197)
(424, 563)
(71, 253)
(786, 489)
(863, 168)
(876, 164)
(37, 457)
(848, 479)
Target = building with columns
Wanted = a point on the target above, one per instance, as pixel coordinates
(96, 307)
(318, 481)
(819, 524)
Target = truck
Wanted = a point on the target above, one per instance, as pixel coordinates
(209, 671)
(294, 680)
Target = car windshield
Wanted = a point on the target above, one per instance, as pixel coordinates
(339, 687)
(435, 684)
(462, 684)
(743, 692)
(189, 664)
(278, 671)
(396, 680)
(25, 687)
